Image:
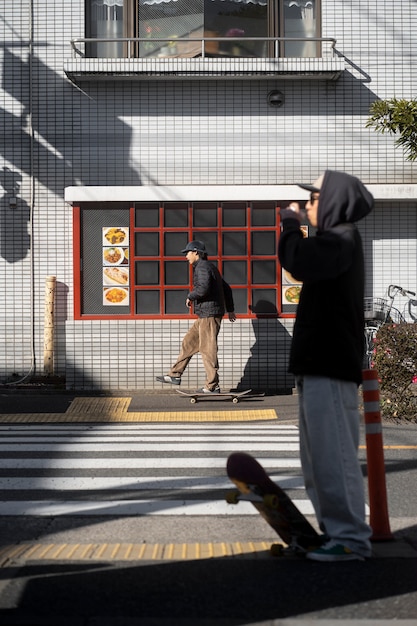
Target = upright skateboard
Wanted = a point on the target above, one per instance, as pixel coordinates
(195, 395)
(275, 506)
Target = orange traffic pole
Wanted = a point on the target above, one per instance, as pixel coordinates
(378, 519)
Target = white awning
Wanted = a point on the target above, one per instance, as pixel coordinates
(74, 195)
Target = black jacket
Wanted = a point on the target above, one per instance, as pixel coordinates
(328, 338)
(211, 295)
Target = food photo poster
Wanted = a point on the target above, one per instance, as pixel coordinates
(115, 266)
(291, 286)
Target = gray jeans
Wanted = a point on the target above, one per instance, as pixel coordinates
(329, 437)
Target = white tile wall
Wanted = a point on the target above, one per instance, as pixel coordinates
(390, 235)
(129, 355)
(56, 134)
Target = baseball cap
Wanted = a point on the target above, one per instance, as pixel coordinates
(194, 246)
(316, 186)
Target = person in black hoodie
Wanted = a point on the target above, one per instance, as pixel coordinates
(327, 354)
(211, 297)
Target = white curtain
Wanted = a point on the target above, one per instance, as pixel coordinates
(108, 3)
(302, 4)
(306, 7)
(107, 23)
(261, 2)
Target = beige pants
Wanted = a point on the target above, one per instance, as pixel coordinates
(202, 338)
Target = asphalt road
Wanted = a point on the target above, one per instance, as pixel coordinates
(216, 591)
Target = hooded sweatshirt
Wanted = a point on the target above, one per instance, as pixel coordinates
(328, 337)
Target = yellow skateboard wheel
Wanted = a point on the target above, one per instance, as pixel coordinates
(277, 549)
(271, 501)
(232, 497)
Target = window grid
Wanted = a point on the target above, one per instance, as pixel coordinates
(226, 224)
(241, 239)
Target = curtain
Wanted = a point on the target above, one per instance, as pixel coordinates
(302, 4)
(106, 22)
(261, 2)
(108, 3)
(306, 7)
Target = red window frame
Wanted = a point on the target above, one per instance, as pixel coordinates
(192, 233)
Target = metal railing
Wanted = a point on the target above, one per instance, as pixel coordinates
(275, 46)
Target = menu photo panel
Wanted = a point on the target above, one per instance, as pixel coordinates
(115, 261)
(291, 286)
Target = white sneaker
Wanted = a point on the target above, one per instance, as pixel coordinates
(173, 380)
(205, 390)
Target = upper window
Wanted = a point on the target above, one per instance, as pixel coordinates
(190, 28)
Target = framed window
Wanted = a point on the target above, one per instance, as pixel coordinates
(175, 28)
(128, 261)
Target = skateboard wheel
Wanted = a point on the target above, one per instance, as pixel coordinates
(232, 497)
(193, 400)
(235, 400)
(271, 501)
(277, 549)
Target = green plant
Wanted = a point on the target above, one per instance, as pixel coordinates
(397, 117)
(396, 363)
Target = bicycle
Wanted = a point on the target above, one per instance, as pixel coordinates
(379, 311)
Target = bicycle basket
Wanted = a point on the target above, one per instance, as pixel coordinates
(375, 309)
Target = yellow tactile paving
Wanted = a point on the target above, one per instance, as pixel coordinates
(104, 407)
(13, 555)
(10, 555)
(26, 418)
(116, 410)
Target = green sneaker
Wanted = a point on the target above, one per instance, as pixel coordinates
(332, 551)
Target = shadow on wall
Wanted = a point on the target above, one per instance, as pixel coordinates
(59, 152)
(81, 379)
(14, 218)
(266, 369)
(61, 316)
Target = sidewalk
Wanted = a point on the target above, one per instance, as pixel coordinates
(165, 405)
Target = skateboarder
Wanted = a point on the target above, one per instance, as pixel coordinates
(211, 297)
(327, 363)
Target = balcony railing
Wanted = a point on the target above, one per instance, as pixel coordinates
(135, 58)
(144, 48)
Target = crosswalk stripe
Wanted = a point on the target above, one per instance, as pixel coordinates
(131, 469)
(183, 446)
(142, 483)
(156, 428)
(135, 463)
(141, 439)
(135, 507)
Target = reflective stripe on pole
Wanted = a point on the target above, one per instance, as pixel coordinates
(378, 519)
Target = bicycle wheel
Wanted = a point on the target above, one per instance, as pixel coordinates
(412, 304)
(396, 317)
